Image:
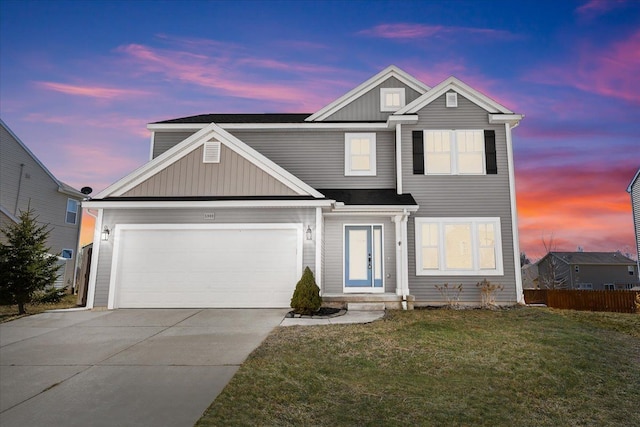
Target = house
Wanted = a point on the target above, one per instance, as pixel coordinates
(587, 270)
(386, 192)
(634, 191)
(530, 276)
(24, 182)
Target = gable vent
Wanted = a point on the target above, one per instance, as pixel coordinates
(211, 152)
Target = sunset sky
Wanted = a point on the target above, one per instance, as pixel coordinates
(80, 80)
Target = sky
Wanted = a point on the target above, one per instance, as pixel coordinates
(80, 80)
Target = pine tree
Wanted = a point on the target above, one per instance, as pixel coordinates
(26, 264)
(306, 298)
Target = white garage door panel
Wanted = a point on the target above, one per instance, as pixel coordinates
(207, 267)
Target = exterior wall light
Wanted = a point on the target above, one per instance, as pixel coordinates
(309, 233)
(105, 233)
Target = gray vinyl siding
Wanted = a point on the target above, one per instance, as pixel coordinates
(566, 277)
(163, 141)
(459, 196)
(333, 272)
(367, 106)
(190, 176)
(635, 207)
(40, 192)
(317, 157)
(303, 216)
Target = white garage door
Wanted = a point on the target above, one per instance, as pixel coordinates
(206, 266)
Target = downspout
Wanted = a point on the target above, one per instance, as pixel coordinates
(399, 158)
(405, 259)
(91, 291)
(15, 208)
(514, 214)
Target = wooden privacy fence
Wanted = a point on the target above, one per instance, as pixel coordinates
(573, 299)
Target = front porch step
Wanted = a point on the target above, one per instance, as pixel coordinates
(366, 306)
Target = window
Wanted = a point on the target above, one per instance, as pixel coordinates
(391, 99)
(360, 154)
(72, 212)
(585, 286)
(609, 287)
(458, 246)
(454, 152)
(630, 270)
(576, 268)
(67, 253)
(211, 152)
(452, 99)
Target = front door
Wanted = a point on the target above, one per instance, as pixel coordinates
(363, 258)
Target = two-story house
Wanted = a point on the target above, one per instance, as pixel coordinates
(634, 191)
(384, 193)
(25, 182)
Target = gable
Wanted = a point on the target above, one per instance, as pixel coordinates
(391, 72)
(367, 106)
(190, 176)
(211, 132)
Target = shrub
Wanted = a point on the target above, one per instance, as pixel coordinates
(50, 295)
(488, 291)
(450, 294)
(306, 298)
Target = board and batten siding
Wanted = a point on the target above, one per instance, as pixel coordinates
(317, 157)
(367, 106)
(304, 216)
(190, 176)
(635, 208)
(165, 140)
(333, 274)
(459, 196)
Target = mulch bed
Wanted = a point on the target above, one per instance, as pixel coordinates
(322, 313)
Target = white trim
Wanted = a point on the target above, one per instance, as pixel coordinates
(368, 289)
(452, 99)
(160, 204)
(67, 211)
(93, 271)
(512, 119)
(348, 138)
(319, 240)
(152, 145)
(390, 71)
(211, 152)
(453, 84)
(475, 270)
(630, 187)
(399, 158)
(118, 228)
(514, 216)
(193, 142)
(176, 127)
(9, 215)
(384, 91)
(392, 120)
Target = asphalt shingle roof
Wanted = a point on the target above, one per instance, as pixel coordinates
(607, 258)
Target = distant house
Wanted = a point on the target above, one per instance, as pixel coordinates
(587, 270)
(634, 190)
(530, 276)
(24, 182)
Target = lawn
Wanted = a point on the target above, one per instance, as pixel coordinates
(524, 367)
(10, 312)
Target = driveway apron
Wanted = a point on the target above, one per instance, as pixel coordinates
(134, 367)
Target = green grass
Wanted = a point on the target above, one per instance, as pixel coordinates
(524, 367)
(10, 312)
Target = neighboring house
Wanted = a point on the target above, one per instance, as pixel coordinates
(634, 191)
(384, 193)
(587, 270)
(530, 276)
(24, 182)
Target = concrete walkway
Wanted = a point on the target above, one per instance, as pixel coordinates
(159, 367)
(349, 317)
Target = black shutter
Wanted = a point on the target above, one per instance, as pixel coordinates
(418, 152)
(490, 151)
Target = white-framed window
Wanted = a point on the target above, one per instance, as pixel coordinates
(211, 152)
(360, 154)
(452, 99)
(585, 286)
(454, 152)
(391, 99)
(609, 287)
(458, 246)
(67, 253)
(630, 270)
(71, 217)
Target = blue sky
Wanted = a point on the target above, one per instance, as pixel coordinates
(79, 81)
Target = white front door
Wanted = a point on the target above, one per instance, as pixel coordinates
(363, 258)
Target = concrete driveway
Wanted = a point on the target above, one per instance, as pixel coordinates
(135, 367)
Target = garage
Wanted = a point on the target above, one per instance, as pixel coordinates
(205, 265)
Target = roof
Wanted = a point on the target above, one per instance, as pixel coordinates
(372, 196)
(633, 181)
(62, 187)
(603, 258)
(241, 118)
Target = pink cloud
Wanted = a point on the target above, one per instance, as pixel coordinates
(91, 91)
(407, 31)
(598, 7)
(612, 71)
(126, 124)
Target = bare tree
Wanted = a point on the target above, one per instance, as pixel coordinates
(549, 276)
